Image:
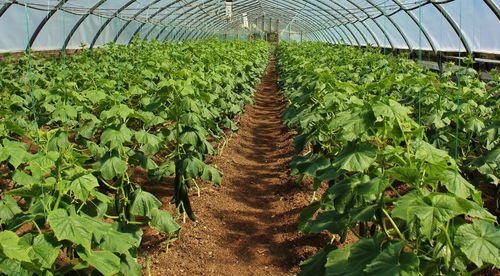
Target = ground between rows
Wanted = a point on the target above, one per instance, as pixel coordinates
(248, 225)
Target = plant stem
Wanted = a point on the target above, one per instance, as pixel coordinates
(479, 269)
(450, 246)
(406, 141)
(107, 184)
(36, 226)
(401, 236)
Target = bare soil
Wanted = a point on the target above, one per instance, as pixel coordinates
(247, 226)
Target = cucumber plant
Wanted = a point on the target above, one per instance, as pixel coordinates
(80, 136)
(401, 157)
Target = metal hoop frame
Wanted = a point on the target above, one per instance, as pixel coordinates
(328, 21)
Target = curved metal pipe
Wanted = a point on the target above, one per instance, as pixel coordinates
(79, 22)
(455, 27)
(43, 22)
(419, 25)
(180, 15)
(151, 17)
(356, 27)
(214, 24)
(197, 15)
(330, 14)
(256, 7)
(133, 18)
(217, 24)
(393, 23)
(490, 4)
(5, 7)
(103, 26)
(374, 21)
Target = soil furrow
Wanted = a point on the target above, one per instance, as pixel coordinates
(248, 225)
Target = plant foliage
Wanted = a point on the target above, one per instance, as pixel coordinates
(78, 133)
(402, 152)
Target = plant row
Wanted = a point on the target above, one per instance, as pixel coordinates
(80, 133)
(404, 155)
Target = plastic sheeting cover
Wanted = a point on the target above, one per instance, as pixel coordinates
(438, 25)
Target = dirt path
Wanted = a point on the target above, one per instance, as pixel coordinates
(248, 225)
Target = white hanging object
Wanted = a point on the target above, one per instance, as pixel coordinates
(229, 9)
(245, 21)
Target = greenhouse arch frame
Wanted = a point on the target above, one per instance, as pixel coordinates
(431, 25)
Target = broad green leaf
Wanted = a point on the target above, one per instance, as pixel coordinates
(150, 143)
(475, 125)
(353, 125)
(17, 152)
(95, 96)
(70, 227)
(430, 154)
(41, 165)
(116, 136)
(306, 216)
(104, 261)
(129, 266)
(119, 239)
(13, 268)
(315, 265)
(45, 250)
(143, 203)
(64, 113)
(437, 120)
(32, 191)
(11, 247)
(83, 185)
(492, 157)
(480, 242)
(144, 161)
(97, 227)
(394, 261)
(372, 189)
(8, 209)
(59, 142)
(166, 169)
(309, 164)
(117, 111)
(190, 119)
(136, 90)
(191, 166)
(344, 194)
(391, 110)
(332, 221)
(337, 262)
(164, 222)
(433, 210)
(189, 138)
(211, 174)
(356, 158)
(23, 179)
(363, 213)
(112, 166)
(408, 175)
(456, 184)
(4, 154)
(362, 253)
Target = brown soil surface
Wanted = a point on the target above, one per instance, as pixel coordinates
(248, 225)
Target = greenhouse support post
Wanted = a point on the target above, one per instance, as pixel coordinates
(440, 62)
(263, 24)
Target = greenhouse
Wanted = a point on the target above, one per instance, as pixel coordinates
(249, 137)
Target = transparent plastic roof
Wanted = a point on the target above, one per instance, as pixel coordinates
(438, 25)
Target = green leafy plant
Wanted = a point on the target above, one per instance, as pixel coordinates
(402, 154)
(80, 136)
